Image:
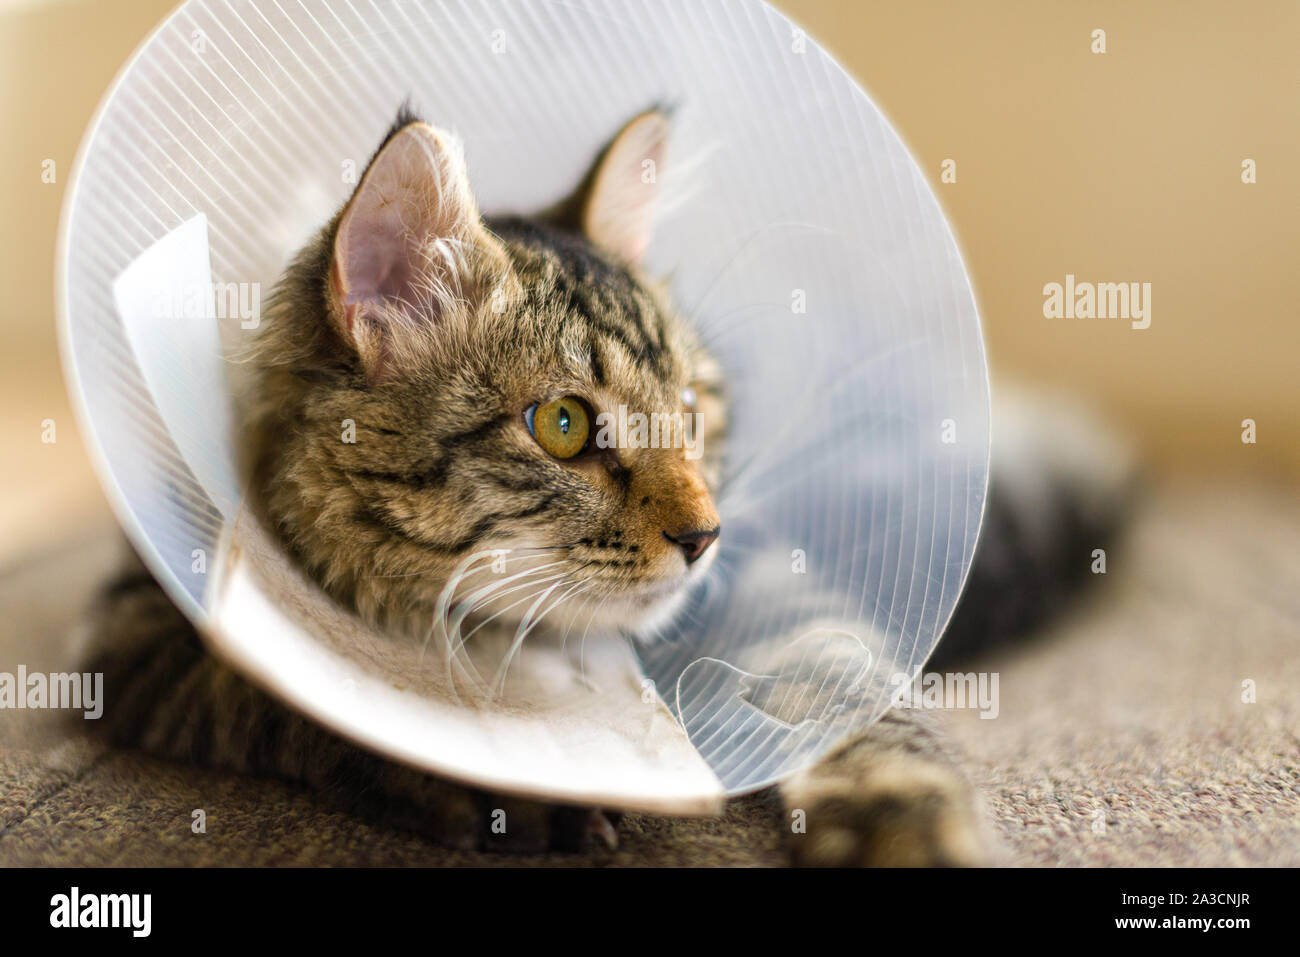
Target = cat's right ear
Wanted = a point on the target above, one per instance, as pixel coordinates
(614, 206)
(405, 247)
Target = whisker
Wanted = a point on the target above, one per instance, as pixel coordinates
(528, 623)
(439, 621)
(453, 641)
(510, 557)
(461, 616)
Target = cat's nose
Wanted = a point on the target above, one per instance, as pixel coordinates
(695, 542)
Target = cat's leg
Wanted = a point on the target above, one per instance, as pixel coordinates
(892, 795)
(164, 694)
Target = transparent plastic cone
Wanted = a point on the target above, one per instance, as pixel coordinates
(796, 231)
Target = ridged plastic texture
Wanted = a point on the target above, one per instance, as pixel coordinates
(797, 232)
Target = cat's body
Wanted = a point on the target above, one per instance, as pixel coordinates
(472, 357)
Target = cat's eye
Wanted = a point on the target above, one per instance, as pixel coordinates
(561, 426)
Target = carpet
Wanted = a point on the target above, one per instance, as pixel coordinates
(1156, 724)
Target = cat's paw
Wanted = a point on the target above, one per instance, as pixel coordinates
(518, 826)
(442, 811)
(901, 811)
(463, 818)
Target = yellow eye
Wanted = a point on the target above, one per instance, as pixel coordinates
(560, 426)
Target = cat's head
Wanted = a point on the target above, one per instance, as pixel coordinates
(506, 407)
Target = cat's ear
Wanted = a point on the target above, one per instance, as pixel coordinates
(405, 246)
(615, 205)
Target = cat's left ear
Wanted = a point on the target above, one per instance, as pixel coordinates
(408, 248)
(616, 203)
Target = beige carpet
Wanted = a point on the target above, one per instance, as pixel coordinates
(1122, 737)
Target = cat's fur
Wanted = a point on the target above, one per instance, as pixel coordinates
(432, 330)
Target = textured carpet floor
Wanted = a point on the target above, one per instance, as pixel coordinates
(1122, 738)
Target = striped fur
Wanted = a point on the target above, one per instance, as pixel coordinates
(388, 441)
(443, 463)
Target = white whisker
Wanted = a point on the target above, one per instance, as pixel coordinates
(530, 621)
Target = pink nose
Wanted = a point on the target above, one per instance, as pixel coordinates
(694, 543)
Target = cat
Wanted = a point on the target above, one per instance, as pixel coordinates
(474, 355)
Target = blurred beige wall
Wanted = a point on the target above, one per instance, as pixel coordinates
(1123, 166)
(57, 57)
(1115, 167)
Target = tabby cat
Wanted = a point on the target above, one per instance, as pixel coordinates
(473, 356)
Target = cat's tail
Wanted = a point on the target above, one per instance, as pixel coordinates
(1061, 487)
